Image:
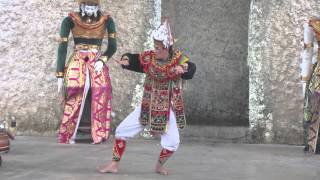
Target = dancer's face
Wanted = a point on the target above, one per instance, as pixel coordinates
(162, 53)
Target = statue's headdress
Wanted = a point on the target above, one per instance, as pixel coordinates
(89, 1)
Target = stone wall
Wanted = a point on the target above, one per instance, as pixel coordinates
(215, 36)
(28, 58)
(213, 33)
(275, 44)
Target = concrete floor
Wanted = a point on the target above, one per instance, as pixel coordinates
(33, 158)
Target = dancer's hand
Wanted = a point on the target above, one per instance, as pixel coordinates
(98, 66)
(123, 61)
(179, 70)
(304, 86)
(60, 85)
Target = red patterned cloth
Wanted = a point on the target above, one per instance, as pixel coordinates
(118, 149)
(101, 96)
(165, 154)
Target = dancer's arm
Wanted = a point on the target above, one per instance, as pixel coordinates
(307, 54)
(190, 71)
(112, 41)
(131, 62)
(306, 64)
(66, 26)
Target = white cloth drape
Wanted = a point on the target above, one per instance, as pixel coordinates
(307, 54)
(131, 126)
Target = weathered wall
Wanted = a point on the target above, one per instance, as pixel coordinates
(28, 58)
(213, 33)
(275, 44)
(215, 36)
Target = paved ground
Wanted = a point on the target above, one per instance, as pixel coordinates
(41, 158)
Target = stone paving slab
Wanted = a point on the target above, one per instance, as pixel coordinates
(39, 158)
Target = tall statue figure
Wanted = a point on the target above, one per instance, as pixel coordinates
(310, 77)
(162, 107)
(86, 68)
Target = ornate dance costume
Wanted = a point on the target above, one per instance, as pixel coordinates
(311, 77)
(79, 74)
(162, 107)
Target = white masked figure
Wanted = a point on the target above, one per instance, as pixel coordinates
(310, 78)
(86, 69)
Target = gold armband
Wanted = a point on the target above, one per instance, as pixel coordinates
(104, 59)
(112, 35)
(59, 74)
(62, 39)
(308, 46)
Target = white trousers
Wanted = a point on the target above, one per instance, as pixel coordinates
(131, 126)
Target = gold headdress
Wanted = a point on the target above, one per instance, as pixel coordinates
(89, 1)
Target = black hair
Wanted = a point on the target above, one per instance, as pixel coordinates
(170, 51)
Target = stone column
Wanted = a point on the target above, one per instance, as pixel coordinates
(275, 44)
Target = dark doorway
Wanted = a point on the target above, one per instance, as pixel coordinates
(84, 129)
(215, 36)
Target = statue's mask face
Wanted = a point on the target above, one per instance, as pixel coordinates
(90, 9)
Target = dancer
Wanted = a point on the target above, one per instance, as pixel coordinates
(162, 107)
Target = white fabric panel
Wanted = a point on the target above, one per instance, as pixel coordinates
(307, 54)
(131, 126)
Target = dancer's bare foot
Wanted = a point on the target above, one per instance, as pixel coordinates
(112, 167)
(161, 170)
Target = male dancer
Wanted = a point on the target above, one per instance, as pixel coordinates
(162, 106)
